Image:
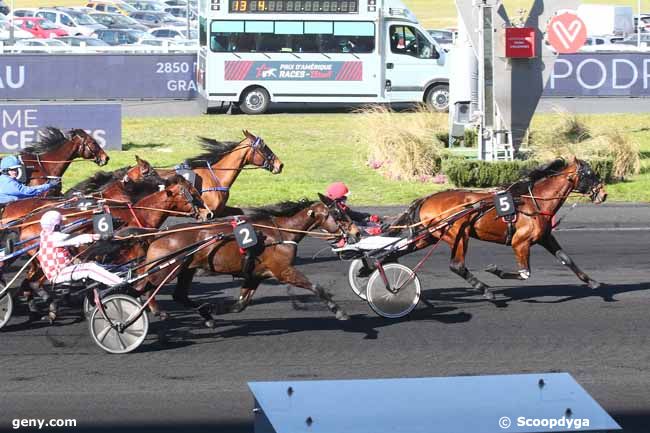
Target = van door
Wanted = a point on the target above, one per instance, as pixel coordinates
(411, 62)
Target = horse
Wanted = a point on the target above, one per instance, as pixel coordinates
(101, 184)
(54, 153)
(218, 168)
(279, 230)
(539, 196)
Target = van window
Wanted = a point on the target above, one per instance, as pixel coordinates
(409, 41)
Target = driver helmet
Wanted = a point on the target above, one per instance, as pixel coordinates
(50, 220)
(9, 162)
(337, 191)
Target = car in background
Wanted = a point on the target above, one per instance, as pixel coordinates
(120, 36)
(78, 41)
(40, 27)
(147, 5)
(5, 30)
(4, 9)
(156, 19)
(73, 22)
(24, 12)
(175, 3)
(603, 40)
(33, 45)
(634, 40)
(114, 7)
(117, 21)
(180, 12)
(444, 38)
(645, 23)
(174, 33)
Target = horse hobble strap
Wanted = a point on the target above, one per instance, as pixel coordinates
(510, 221)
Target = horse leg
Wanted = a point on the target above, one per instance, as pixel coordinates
(246, 295)
(552, 246)
(293, 276)
(457, 262)
(521, 247)
(183, 284)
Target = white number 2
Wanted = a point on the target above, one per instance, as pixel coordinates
(504, 204)
(247, 236)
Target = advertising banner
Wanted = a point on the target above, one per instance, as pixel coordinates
(593, 74)
(243, 70)
(97, 76)
(20, 123)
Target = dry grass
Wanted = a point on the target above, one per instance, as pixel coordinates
(403, 145)
(574, 137)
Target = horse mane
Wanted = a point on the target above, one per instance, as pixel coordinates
(51, 139)
(531, 176)
(410, 216)
(282, 209)
(214, 151)
(97, 182)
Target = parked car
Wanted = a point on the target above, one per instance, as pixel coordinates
(117, 21)
(173, 33)
(147, 5)
(24, 12)
(78, 41)
(603, 40)
(114, 7)
(175, 2)
(634, 39)
(5, 30)
(120, 36)
(156, 19)
(645, 23)
(73, 22)
(4, 9)
(40, 27)
(180, 12)
(31, 45)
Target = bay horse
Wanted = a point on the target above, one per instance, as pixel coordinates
(218, 168)
(55, 151)
(101, 184)
(539, 197)
(280, 228)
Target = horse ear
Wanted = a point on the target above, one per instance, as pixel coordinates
(573, 159)
(326, 200)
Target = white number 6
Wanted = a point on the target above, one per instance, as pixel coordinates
(102, 225)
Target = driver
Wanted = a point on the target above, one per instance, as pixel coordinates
(57, 262)
(370, 223)
(11, 189)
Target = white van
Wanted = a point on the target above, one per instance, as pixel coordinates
(337, 51)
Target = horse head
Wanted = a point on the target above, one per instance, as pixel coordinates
(142, 170)
(332, 219)
(182, 196)
(586, 181)
(87, 147)
(261, 155)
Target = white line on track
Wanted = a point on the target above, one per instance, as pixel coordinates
(605, 229)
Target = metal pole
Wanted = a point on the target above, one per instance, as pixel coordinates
(638, 24)
(188, 20)
(11, 22)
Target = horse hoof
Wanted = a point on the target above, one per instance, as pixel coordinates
(492, 269)
(237, 307)
(593, 284)
(341, 315)
(210, 324)
(162, 315)
(489, 295)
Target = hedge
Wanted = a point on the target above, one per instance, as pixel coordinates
(482, 174)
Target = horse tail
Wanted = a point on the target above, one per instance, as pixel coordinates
(407, 218)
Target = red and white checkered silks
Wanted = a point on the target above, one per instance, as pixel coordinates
(51, 258)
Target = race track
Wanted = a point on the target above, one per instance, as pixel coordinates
(196, 378)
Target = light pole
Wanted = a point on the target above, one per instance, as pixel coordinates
(638, 24)
(188, 19)
(11, 24)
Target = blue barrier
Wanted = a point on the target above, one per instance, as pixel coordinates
(488, 404)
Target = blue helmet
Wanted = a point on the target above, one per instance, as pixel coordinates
(8, 162)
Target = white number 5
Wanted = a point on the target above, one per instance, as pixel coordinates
(504, 204)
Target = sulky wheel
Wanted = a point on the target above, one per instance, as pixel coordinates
(88, 307)
(119, 309)
(393, 303)
(358, 283)
(6, 307)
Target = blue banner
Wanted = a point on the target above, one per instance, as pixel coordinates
(97, 76)
(20, 123)
(598, 74)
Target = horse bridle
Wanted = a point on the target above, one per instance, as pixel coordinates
(258, 145)
(189, 197)
(86, 145)
(337, 215)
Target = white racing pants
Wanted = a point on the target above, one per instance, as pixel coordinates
(89, 270)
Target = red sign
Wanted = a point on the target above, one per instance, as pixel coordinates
(566, 33)
(520, 42)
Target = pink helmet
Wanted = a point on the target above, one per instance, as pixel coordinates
(50, 220)
(337, 190)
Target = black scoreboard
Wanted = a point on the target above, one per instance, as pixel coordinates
(295, 6)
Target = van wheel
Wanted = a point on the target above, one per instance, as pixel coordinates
(255, 101)
(437, 97)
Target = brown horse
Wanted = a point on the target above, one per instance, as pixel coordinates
(101, 185)
(54, 153)
(538, 198)
(279, 230)
(219, 167)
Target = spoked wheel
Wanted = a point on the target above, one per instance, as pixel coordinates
(119, 309)
(88, 307)
(359, 283)
(6, 308)
(404, 293)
